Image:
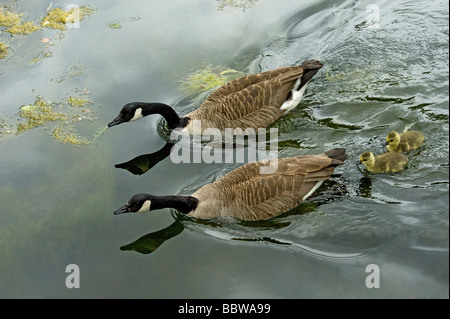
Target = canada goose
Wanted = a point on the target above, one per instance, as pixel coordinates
(253, 101)
(245, 193)
(404, 142)
(390, 162)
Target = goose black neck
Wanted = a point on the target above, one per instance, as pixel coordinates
(169, 114)
(184, 204)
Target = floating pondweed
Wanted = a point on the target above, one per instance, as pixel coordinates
(8, 19)
(74, 71)
(56, 18)
(3, 50)
(12, 22)
(100, 132)
(119, 24)
(208, 78)
(38, 114)
(59, 18)
(61, 118)
(243, 4)
(65, 135)
(115, 25)
(25, 28)
(76, 101)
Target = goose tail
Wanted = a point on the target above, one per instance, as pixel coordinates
(337, 155)
(310, 68)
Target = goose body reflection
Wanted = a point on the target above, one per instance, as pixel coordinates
(250, 102)
(246, 193)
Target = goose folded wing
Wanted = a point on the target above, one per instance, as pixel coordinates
(266, 196)
(285, 74)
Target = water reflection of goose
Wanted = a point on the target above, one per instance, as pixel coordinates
(150, 242)
(276, 233)
(254, 191)
(250, 102)
(143, 163)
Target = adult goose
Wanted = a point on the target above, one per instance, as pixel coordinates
(245, 193)
(250, 102)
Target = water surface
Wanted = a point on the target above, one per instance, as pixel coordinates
(379, 74)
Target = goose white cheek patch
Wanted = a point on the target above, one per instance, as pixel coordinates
(145, 207)
(137, 115)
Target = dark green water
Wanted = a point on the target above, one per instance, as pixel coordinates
(57, 200)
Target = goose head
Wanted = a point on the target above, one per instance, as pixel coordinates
(129, 113)
(393, 139)
(136, 110)
(139, 203)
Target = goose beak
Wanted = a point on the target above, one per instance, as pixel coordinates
(116, 121)
(122, 210)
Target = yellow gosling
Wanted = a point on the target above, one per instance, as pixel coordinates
(404, 142)
(386, 163)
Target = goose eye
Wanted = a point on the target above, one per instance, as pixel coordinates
(135, 206)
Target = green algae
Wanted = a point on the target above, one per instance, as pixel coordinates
(115, 25)
(59, 18)
(74, 71)
(8, 19)
(242, 4)
(25, 28)
(4, 51)
(76, 101)
(40, 57)
(60, 118)
(99, 133)
(12, 22)
(65, 135)
(209, 78)
(38, 114)
(118, 24)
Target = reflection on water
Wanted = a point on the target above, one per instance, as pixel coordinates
(143, 163)
(150, 242)
(56, 199)
(365, 187)
(265, 231)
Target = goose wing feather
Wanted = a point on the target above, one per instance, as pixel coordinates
(253, 101)
(246, 194)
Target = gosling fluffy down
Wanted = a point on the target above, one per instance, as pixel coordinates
(390, 162)
(404, 142)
